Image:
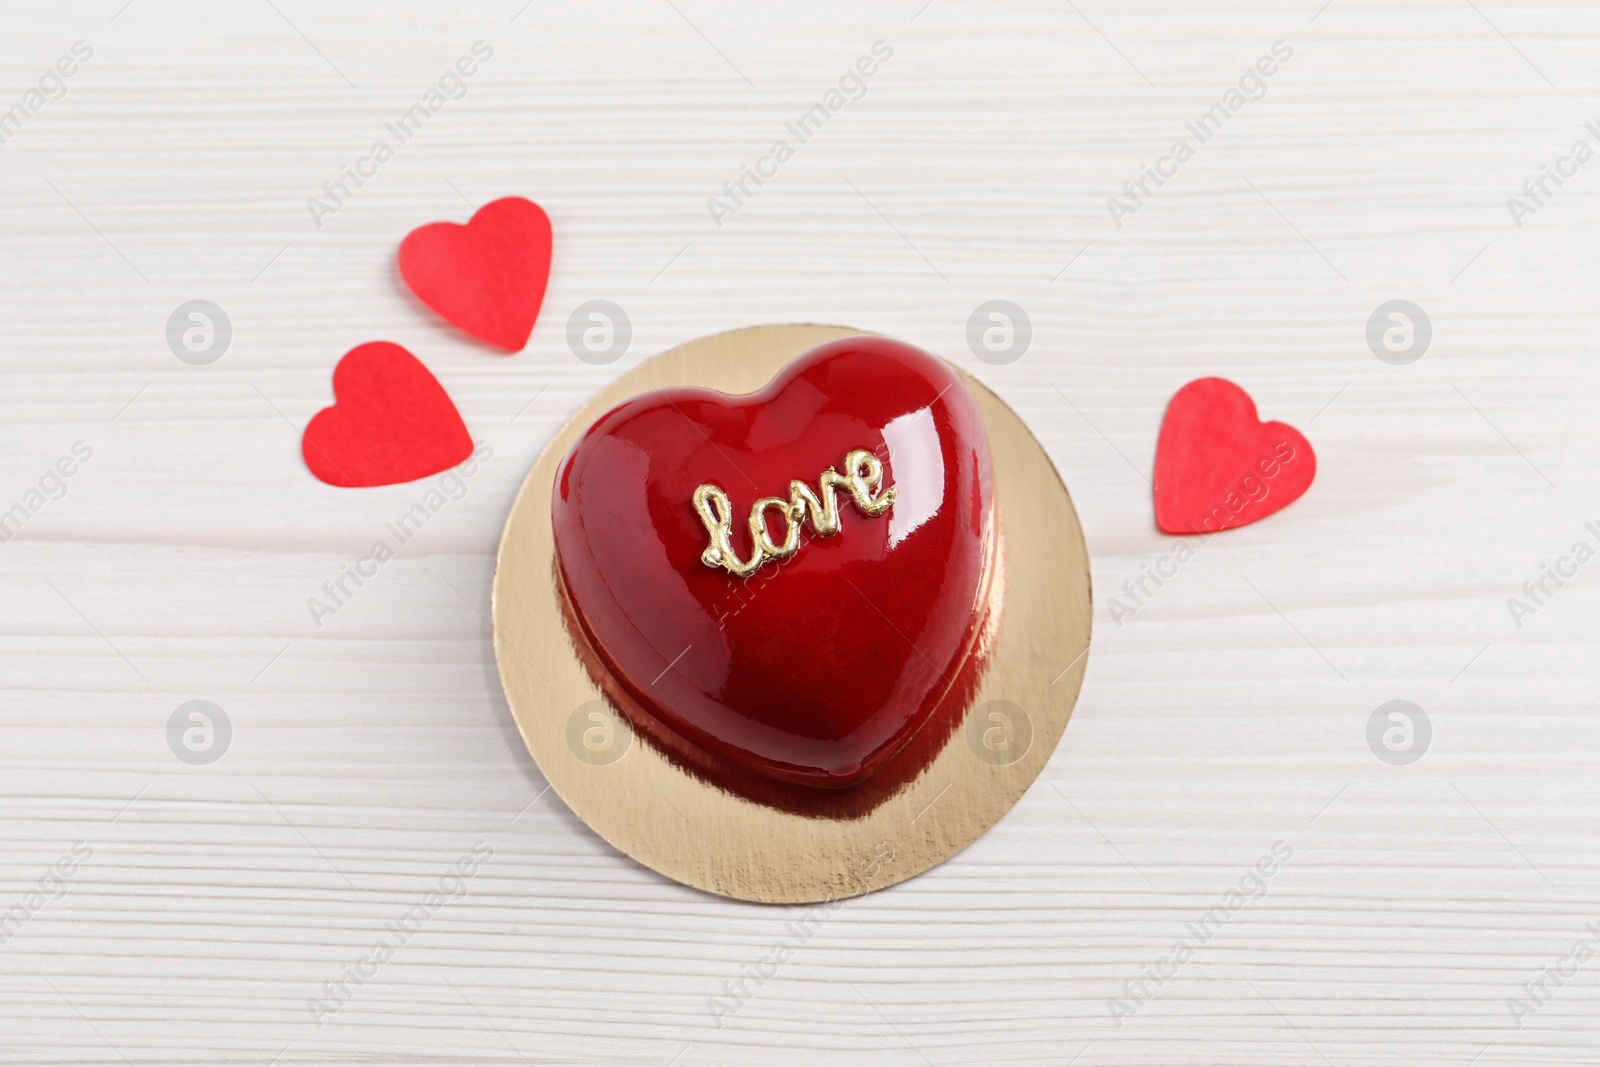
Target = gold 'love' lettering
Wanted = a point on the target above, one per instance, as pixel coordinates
(863, 477)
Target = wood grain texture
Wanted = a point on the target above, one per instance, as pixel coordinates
(1229, 713)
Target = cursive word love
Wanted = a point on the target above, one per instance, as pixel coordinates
(863, 478)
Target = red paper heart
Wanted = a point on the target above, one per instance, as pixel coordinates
(1218, 466)
(819, 668)
(487, 277)
(391, 421)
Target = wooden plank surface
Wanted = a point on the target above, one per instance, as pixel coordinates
(208, 906)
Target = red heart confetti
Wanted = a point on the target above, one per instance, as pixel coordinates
(1218, 466)
(391, 422)
(487, 277)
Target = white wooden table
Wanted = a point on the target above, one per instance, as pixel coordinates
(208, 905)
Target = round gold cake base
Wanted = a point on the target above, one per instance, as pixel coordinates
(701, 835)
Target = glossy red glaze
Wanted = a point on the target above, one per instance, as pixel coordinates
(819, 668)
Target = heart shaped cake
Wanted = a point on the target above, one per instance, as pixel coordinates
(793, 580)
